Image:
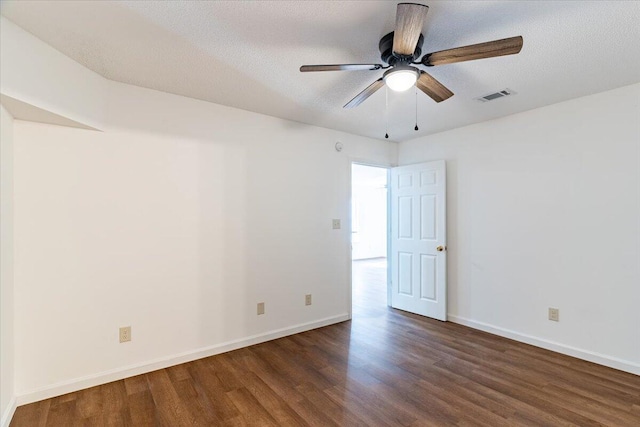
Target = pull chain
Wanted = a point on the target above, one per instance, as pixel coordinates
(416, 128)
(386, 111)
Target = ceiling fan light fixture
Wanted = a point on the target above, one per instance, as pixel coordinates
(401, 78)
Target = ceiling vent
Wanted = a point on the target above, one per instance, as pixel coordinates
(496, 95)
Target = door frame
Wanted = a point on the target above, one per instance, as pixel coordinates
(383, 165)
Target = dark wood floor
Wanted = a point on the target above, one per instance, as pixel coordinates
(385, 367)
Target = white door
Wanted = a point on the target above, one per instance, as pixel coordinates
(418, 257)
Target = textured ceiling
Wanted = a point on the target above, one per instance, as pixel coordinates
(246, 54)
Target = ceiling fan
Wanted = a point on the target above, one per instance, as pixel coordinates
(402, 48)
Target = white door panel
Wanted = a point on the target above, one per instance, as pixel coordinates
(418, 256)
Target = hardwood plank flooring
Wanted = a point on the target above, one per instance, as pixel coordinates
(384, 368)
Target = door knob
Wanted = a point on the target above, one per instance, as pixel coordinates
(440, 248)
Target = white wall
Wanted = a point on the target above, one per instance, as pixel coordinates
(369, 212)
(176, 220)
(544, 211)
(7, 402)
(369, 239)
(36, 74)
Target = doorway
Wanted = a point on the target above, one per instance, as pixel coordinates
(369, 237)
(399, 213)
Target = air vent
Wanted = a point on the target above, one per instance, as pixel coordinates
(496, 95)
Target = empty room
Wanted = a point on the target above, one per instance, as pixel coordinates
(319, 213)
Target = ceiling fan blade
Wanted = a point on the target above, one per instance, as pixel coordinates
(340, 67)
(410, 18)
(436, 90)
(501, 47)
(359, 98)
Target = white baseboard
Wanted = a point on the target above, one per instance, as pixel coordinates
(7, 415)
(601, 359)
(93, 380)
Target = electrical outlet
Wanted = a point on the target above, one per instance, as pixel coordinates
(336, 224)
(125, 334)
(260, 308)
(554, 314)
(307, 299)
